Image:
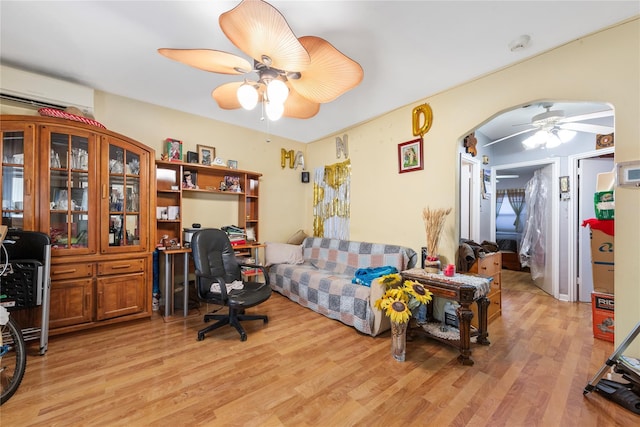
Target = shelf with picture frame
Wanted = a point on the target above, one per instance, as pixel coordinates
(207, 179)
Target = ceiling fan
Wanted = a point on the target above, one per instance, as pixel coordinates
(554, 123)
(294, 75)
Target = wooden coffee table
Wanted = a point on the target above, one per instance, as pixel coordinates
(465, 289)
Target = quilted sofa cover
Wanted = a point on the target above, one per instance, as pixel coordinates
(323, 282)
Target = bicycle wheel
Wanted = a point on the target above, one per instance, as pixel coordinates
(13, 359)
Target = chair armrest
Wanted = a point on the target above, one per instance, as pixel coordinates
(220, 280)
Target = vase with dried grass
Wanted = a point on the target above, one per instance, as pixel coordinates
(434, 220)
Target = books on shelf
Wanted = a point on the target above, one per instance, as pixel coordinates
(237, 235)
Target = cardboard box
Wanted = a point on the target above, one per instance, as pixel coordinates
(602, 263)
(602, 311)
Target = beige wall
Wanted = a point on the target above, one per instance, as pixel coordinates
(387, 206)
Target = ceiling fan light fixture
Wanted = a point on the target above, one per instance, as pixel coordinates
(274, 110)
(535, 140)
(277, 91)
(566, 135)
(247, 96)
(552, 140)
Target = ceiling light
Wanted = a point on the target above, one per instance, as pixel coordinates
(277, 91)
(535, 140)
(274, 110)
(548, 138)
(566, 135)
(269, 90)
(552, 140)
(247, 96)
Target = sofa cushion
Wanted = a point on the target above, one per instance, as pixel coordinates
(297, 238)
(282, 253)
(336, 255)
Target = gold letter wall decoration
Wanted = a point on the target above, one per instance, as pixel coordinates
(284, 155)
(422, 119)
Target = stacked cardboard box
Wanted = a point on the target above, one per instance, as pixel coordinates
(602, 311)
(602, 263)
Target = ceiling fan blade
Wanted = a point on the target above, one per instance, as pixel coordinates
(588, 116)
(510, 136)
(299, 107)
(215, 61)
(258, 29)
(585, 127)
(225, 95)
(330, 73)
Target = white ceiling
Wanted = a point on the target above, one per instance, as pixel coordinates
(409, 50)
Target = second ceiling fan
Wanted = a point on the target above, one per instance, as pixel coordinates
(556, 123)
(295, 75)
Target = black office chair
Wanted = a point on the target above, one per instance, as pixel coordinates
(215, 262)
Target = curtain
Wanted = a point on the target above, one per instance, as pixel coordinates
(332, 201)
(517, 202)
(499, 198)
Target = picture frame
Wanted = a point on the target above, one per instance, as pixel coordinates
(232, 183)
(190, 180)
(173, 150)
(206, 154)
(192, 157)
(410, 156)
(232, 164)
(564, 184)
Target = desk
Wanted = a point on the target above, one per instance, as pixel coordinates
(168, 279)
(254, 252)
(464, 289)
(253, 249)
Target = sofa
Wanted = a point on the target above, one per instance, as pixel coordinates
(319, 273)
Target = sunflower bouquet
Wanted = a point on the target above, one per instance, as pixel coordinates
(400, 299)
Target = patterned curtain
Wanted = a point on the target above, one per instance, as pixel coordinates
(499, 198)
(332, 201)
(516, 199)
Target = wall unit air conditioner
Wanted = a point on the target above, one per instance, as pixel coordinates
(42, 91)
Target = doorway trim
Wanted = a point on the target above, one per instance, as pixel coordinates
(572, 271)
(474, 203)
(555, 207)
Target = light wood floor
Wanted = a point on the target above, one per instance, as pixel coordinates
(302, 369)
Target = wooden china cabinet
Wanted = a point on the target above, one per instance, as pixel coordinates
(90, 190)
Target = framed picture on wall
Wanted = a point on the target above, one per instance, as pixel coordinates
(410, 156)
(206, 154)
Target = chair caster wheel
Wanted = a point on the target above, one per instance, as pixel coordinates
(243, 337)
(265, 321)
(200, 337)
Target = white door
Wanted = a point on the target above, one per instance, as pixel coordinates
(588, 172)
(469, 199)
(465, 201)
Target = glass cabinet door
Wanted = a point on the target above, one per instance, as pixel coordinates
(17, 181)
(71, 214)
(124, 201)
